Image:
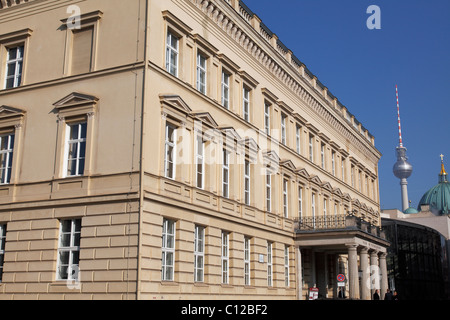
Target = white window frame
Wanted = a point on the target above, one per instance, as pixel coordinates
(285, 198)
(225, 256)
(297, 138)
(333, 163)
(200, 162)
(2, 248)
(267, 118)
(172, 51)
(268, 190)
(170, 146)
(311, 148)
(247, 182)
(78, 141)
(201, 72)
(325, 210)
(283, 128)
(16, 64)
(269, 264)
(225, 89)
(246, 103)
(300, 201)
(343, 169)
(286, 266)
(226, 174)
(199, 254)
(322, 155)
(168, 250)
(313, 208)
(72, 248)
(247, 252)
(8, 155)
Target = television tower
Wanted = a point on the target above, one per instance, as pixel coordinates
(402, 168)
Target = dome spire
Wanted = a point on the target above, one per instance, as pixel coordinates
(443, 174)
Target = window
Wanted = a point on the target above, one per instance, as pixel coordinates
(313, 208)
(247, 182)
(268, 190)
(75, 148)
(311, 148)
(286, 266)
(325, 210)
(322, 155)
(343, 169)
(285, 198)
(199, 253)
(267, 118)
(168, 250)
(226, 174)
(300, 202)
(2, 248)
(69, 249)
(283, 128)
(225, 90)
(172, 53)
(297, 138)
(246, 104)
(82, 50)
(247, 261)
(169, 154)
(333, 163)
(14, 67)
(6, 157)
(269, 264)
(200, 163)
(201, 73)
(225, 256)
(353, 175)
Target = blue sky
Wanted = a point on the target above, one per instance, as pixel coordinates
(361, 68)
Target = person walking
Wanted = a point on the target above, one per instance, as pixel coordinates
(388, 295)
(376, 296)
(395, 297)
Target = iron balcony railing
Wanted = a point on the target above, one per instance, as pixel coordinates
(336, 222)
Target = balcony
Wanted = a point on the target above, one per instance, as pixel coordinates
(344, 222)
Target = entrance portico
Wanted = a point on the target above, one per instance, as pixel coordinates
(358, 251)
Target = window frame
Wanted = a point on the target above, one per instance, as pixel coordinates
(71, 248)
(170, 50)
(9, 152)
(247, 182)
(200, 161)
(167, 251)
(268, 191)
(247, 261)
(18, 60)
(3, 230)
(225, 173)
(225, 89)
(78, 141)
(199, 253)
(285, 197)
(269, 264)
(225, 257)
(170, 144)
(246, 104)
(286, 266)
(202, 70)
(284, 128)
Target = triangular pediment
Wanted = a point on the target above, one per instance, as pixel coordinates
(327, 186)
(338, 192)
(205, 118)
(316, 180)
(346, 197)
(356, 202)
(76, 99)
(251, 144)
(175, 101)
(6, 112)
(230, 133)
(271, 159)
(303, 173)
(288, 164)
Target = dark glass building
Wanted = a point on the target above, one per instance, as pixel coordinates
(417, 261)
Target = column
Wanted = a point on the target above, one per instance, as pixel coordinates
(374, 272)
(384, 275)
(353, 271)
(365, 288)
(298, 258)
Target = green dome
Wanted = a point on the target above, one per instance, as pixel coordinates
(438, 197)
(411, 211)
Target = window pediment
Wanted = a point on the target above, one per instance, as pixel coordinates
(76, 104)
(10, 116)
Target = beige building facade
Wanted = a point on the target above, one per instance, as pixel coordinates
(175, 150)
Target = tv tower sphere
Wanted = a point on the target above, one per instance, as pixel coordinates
(402, 168)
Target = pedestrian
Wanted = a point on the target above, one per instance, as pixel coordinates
(376, 296)
(388, 295)
(395, 297)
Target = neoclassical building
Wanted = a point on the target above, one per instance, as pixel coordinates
(176, 149)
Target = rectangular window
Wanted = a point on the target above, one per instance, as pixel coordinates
(343, 169)
(225, 256)
(247, 182)
(201, 73)
(246, 104)
(168, 250)
(83, 40)
(6, 157)
(313, 208)
(172, 52)
(226, 174)
(14, 66)
(268, 190)
(269, 264)
(76, 148)
(297, 139)
(199, 253)
(69, 249)
(300, 202)
(169, 154)
(283, 128)
(267, 118)
(286, 266)
(325, 211)
(2, 248)
(200, 163)
(322, 155)
(225, 90)
(333, 163)
(311, 148)
(285, 198)
(247, 261)
(353, 175)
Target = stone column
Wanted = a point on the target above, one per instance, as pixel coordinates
(298, 254)
(374, 272)
(353, 271)
(384, 275)
(365, 289)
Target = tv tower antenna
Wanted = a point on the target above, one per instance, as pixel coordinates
(402, 168)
